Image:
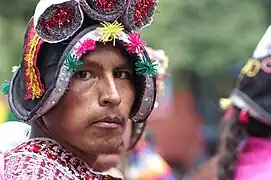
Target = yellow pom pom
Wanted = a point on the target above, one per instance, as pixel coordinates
(225, 103)
(14, 68)
(110, 31)
(252, 68)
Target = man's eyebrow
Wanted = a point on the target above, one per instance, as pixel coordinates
(95, 65)
(99, 66)
(123, 65)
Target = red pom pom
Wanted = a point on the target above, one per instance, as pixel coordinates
(244, 117)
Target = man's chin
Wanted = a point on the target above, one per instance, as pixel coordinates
(107, 147)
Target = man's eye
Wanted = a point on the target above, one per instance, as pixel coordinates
(122, 75)
(84, 75)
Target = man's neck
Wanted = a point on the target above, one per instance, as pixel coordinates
(39, 130)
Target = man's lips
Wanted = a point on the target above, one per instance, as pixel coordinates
(109, 123)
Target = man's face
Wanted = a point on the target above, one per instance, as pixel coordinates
(93, 114)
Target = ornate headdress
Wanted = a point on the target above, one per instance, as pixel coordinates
(252, 94)
(60, 32)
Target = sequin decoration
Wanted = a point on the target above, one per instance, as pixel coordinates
(146, 67)
(141, 9)
(62, 16)
(34, 87)
(86, 45)
(135, 45)
(110, 31)
(106, 4)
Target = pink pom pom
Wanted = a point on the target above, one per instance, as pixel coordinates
(85, 46)
(136, 45)
(244, 119)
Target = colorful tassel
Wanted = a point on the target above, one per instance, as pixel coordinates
(136, 45)
(72, 62)
(5, 87)
(146, 67)
(34, 87)
(110, 31)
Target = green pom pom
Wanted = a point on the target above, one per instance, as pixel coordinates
(146, 67)
(72, 62)
(5, 87)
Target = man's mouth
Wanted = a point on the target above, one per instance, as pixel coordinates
(109, 123)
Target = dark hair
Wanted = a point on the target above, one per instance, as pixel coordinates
(233, 132)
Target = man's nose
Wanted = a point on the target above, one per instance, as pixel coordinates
(109, 94)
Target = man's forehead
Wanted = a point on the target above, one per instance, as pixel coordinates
(106, 55)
